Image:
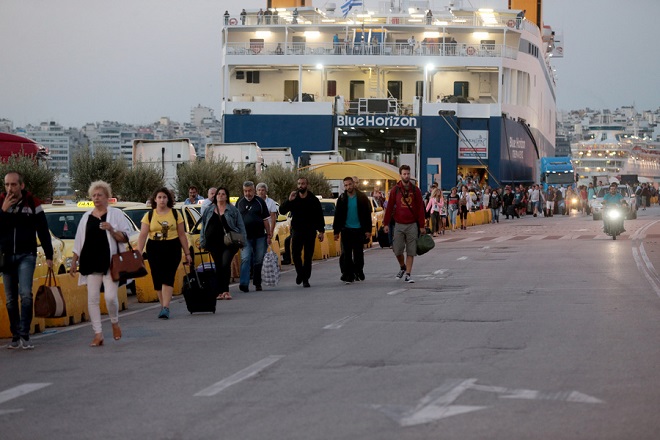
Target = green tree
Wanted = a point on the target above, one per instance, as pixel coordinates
(141, 181)
(204, 174)
(39, 180)
(87, 168)
(281, 181)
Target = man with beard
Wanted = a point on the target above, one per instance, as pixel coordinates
(406, 206)
(353, 221)
(306, 220)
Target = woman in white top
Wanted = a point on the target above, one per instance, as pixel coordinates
(99, 232)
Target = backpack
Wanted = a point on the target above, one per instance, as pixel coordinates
(174, 213)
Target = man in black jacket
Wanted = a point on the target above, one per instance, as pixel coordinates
(307, 219)
(353, 221)
(21, 215)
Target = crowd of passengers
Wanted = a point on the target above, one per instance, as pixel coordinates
(448, 210)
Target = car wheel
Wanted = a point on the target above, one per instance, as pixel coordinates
(633, 215)
(596, 217)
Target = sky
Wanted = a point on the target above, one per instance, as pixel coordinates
(134, 61)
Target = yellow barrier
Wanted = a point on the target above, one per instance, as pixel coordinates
(321, 249)
(38, 324)
(75, 297)
(122, 298)
(334, 247)
(144, 286)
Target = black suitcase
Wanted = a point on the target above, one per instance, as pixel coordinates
(198, 292)
(383, 238)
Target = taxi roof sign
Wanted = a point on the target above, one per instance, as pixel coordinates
(85, 204)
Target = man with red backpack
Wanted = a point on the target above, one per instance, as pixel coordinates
(406, 206)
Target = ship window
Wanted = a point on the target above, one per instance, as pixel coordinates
(290, 89)
(419, 88)
(395, 88)
(332, 88)
(357, 90)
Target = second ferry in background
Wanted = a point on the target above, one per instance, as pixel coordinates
(446, 90)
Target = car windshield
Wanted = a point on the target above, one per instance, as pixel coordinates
(64, 224)
(622, 190)
(136, 215)
(328, 208)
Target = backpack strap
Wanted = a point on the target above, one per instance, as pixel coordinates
(174, 213)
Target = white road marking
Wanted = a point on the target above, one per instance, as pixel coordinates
(397, 291)
(438, 404)
(21, 390)
(469, 239)
(503, 238)
(235, 378)
(461, 258)
(339, 323)
(642, 261)
(535, 237)
(568, 237)
(484, 248)
(440, 271)
(9, 411)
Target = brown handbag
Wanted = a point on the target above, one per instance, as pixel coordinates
(49, 302)
(127, 265)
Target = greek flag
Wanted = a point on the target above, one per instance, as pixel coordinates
(346, 7)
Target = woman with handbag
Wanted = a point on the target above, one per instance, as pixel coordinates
(216, 224)
(164, 228)
(96, 240)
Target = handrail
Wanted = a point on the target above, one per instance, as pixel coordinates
(381, 49)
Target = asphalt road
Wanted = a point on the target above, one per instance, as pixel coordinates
(538, 328)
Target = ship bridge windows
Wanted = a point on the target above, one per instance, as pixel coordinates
(384, 144)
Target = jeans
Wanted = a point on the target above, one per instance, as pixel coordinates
(18, 282)
(452, 217)
(303, 240)
(252, 257)
(496, 214)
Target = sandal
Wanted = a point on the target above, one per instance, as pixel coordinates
(226, 295)
(220, 296)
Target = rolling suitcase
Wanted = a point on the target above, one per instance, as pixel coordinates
(198, 292)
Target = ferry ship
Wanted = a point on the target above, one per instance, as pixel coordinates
(447, 91)
(611, 153)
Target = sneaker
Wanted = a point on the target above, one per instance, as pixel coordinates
(166, 313)
(298, 280)
(15, 343)
(346, 279)
(409, 279)
(359, 276)
(306, 283)
(258, 288)
(401, 273)
(243, 288)
(161, 313)
(26, 344)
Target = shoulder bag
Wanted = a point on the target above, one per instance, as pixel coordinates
(127, 265)
(49, 302)
(233, 238)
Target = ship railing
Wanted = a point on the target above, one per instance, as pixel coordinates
(382, 49)
(305, 19)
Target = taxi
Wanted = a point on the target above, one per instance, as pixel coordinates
(63, 220)
(377, 214)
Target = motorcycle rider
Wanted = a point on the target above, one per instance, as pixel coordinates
(612, 198)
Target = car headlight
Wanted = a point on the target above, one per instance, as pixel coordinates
(614, 214)
(574, 200)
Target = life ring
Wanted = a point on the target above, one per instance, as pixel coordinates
(471, 50)
(233, 21)
(511, 23)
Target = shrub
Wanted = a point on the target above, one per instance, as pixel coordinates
(141, 181)
(281, 181)
(87, 168)
(204, 174)
(38, 180)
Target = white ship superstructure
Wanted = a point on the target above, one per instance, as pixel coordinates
(373, 84)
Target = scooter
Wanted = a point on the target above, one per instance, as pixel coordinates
(613, 218)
